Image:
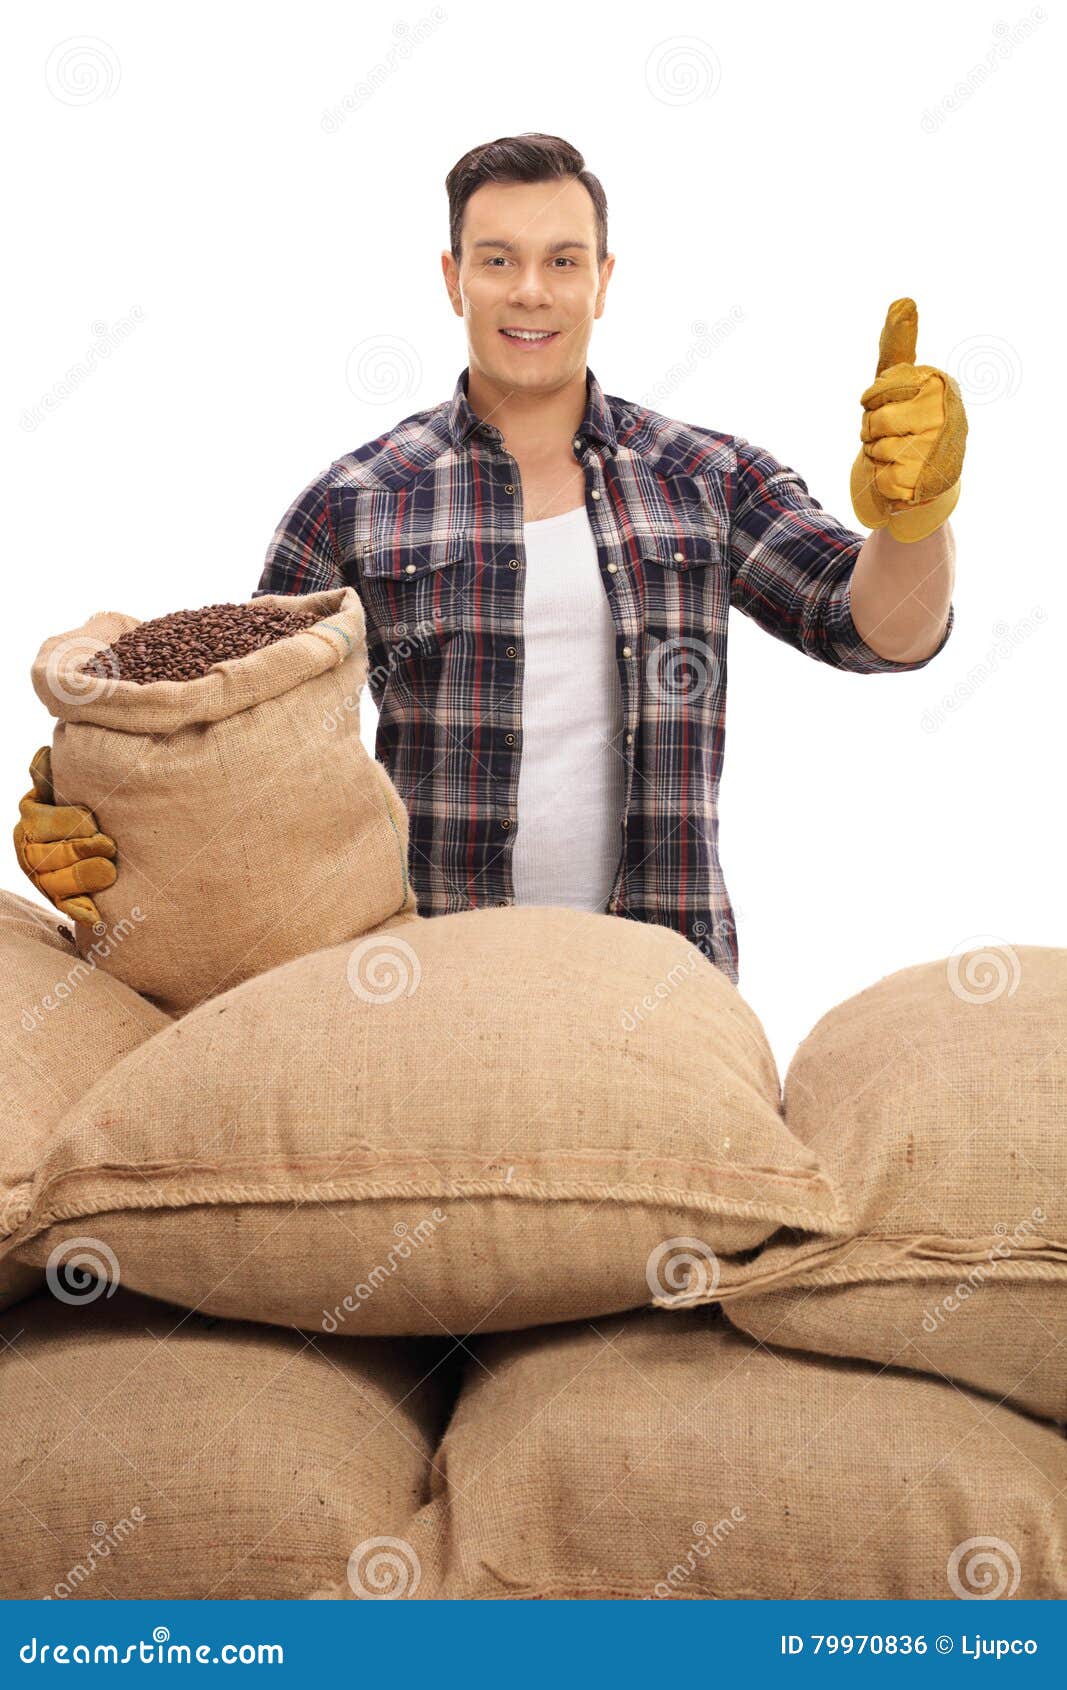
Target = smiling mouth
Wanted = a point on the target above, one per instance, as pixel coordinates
(530, 337)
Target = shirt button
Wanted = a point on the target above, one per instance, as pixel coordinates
(629, 739)
(505, 822)
(510, 651)
(626, 652)
(679, 557)
(595, 494)
(409, 569)
(509, 739)
(513, 563)
(577, 444)
(612, 568)
(509, 488)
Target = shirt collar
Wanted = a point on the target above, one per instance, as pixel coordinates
(596, 424)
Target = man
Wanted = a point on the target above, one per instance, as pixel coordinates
(547, 571)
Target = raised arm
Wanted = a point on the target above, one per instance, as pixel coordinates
(792, 566)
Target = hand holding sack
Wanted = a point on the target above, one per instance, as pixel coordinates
(252, 825)
(60, 847)
(907, 475)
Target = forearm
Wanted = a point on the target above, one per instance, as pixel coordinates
(901, 592)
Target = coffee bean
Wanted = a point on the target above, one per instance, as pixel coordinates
(183, 645)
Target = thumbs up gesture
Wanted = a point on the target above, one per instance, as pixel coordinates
(907, 475)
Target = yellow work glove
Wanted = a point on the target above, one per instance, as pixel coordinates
(59, 847)
(907, 475)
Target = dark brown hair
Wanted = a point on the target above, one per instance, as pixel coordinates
(521, 158)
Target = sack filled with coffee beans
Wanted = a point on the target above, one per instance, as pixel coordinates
(220, 749)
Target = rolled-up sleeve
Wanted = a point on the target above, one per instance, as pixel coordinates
(302, 556)
(791, 567)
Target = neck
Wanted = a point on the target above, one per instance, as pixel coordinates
(534, 425)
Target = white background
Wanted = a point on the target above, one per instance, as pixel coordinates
(210, 208)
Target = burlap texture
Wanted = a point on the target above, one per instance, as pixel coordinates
(458, 1123)
(155, 1454)
(937, 1102)
(251, 823)
(663, 1455)
(63, 1023)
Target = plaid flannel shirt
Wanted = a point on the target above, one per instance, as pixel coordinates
(425, 522)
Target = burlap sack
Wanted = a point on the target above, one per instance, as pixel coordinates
(488, 1119)
(150, 1453)
(663, 1455)
(63, 1023)
(251, 823)
(937, 1101)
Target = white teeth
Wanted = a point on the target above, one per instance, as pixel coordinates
(529, 334)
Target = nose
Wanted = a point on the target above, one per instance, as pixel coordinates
(529, 286)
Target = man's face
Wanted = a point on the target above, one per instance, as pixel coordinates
(528, 261)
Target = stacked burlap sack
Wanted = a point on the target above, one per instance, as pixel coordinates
(713, 1341)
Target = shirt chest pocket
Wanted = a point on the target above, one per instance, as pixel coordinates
(683, 579)
(412, 591)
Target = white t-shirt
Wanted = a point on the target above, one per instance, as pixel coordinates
(572, 774)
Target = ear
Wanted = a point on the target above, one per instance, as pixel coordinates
(450, 271)
(602, 283)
